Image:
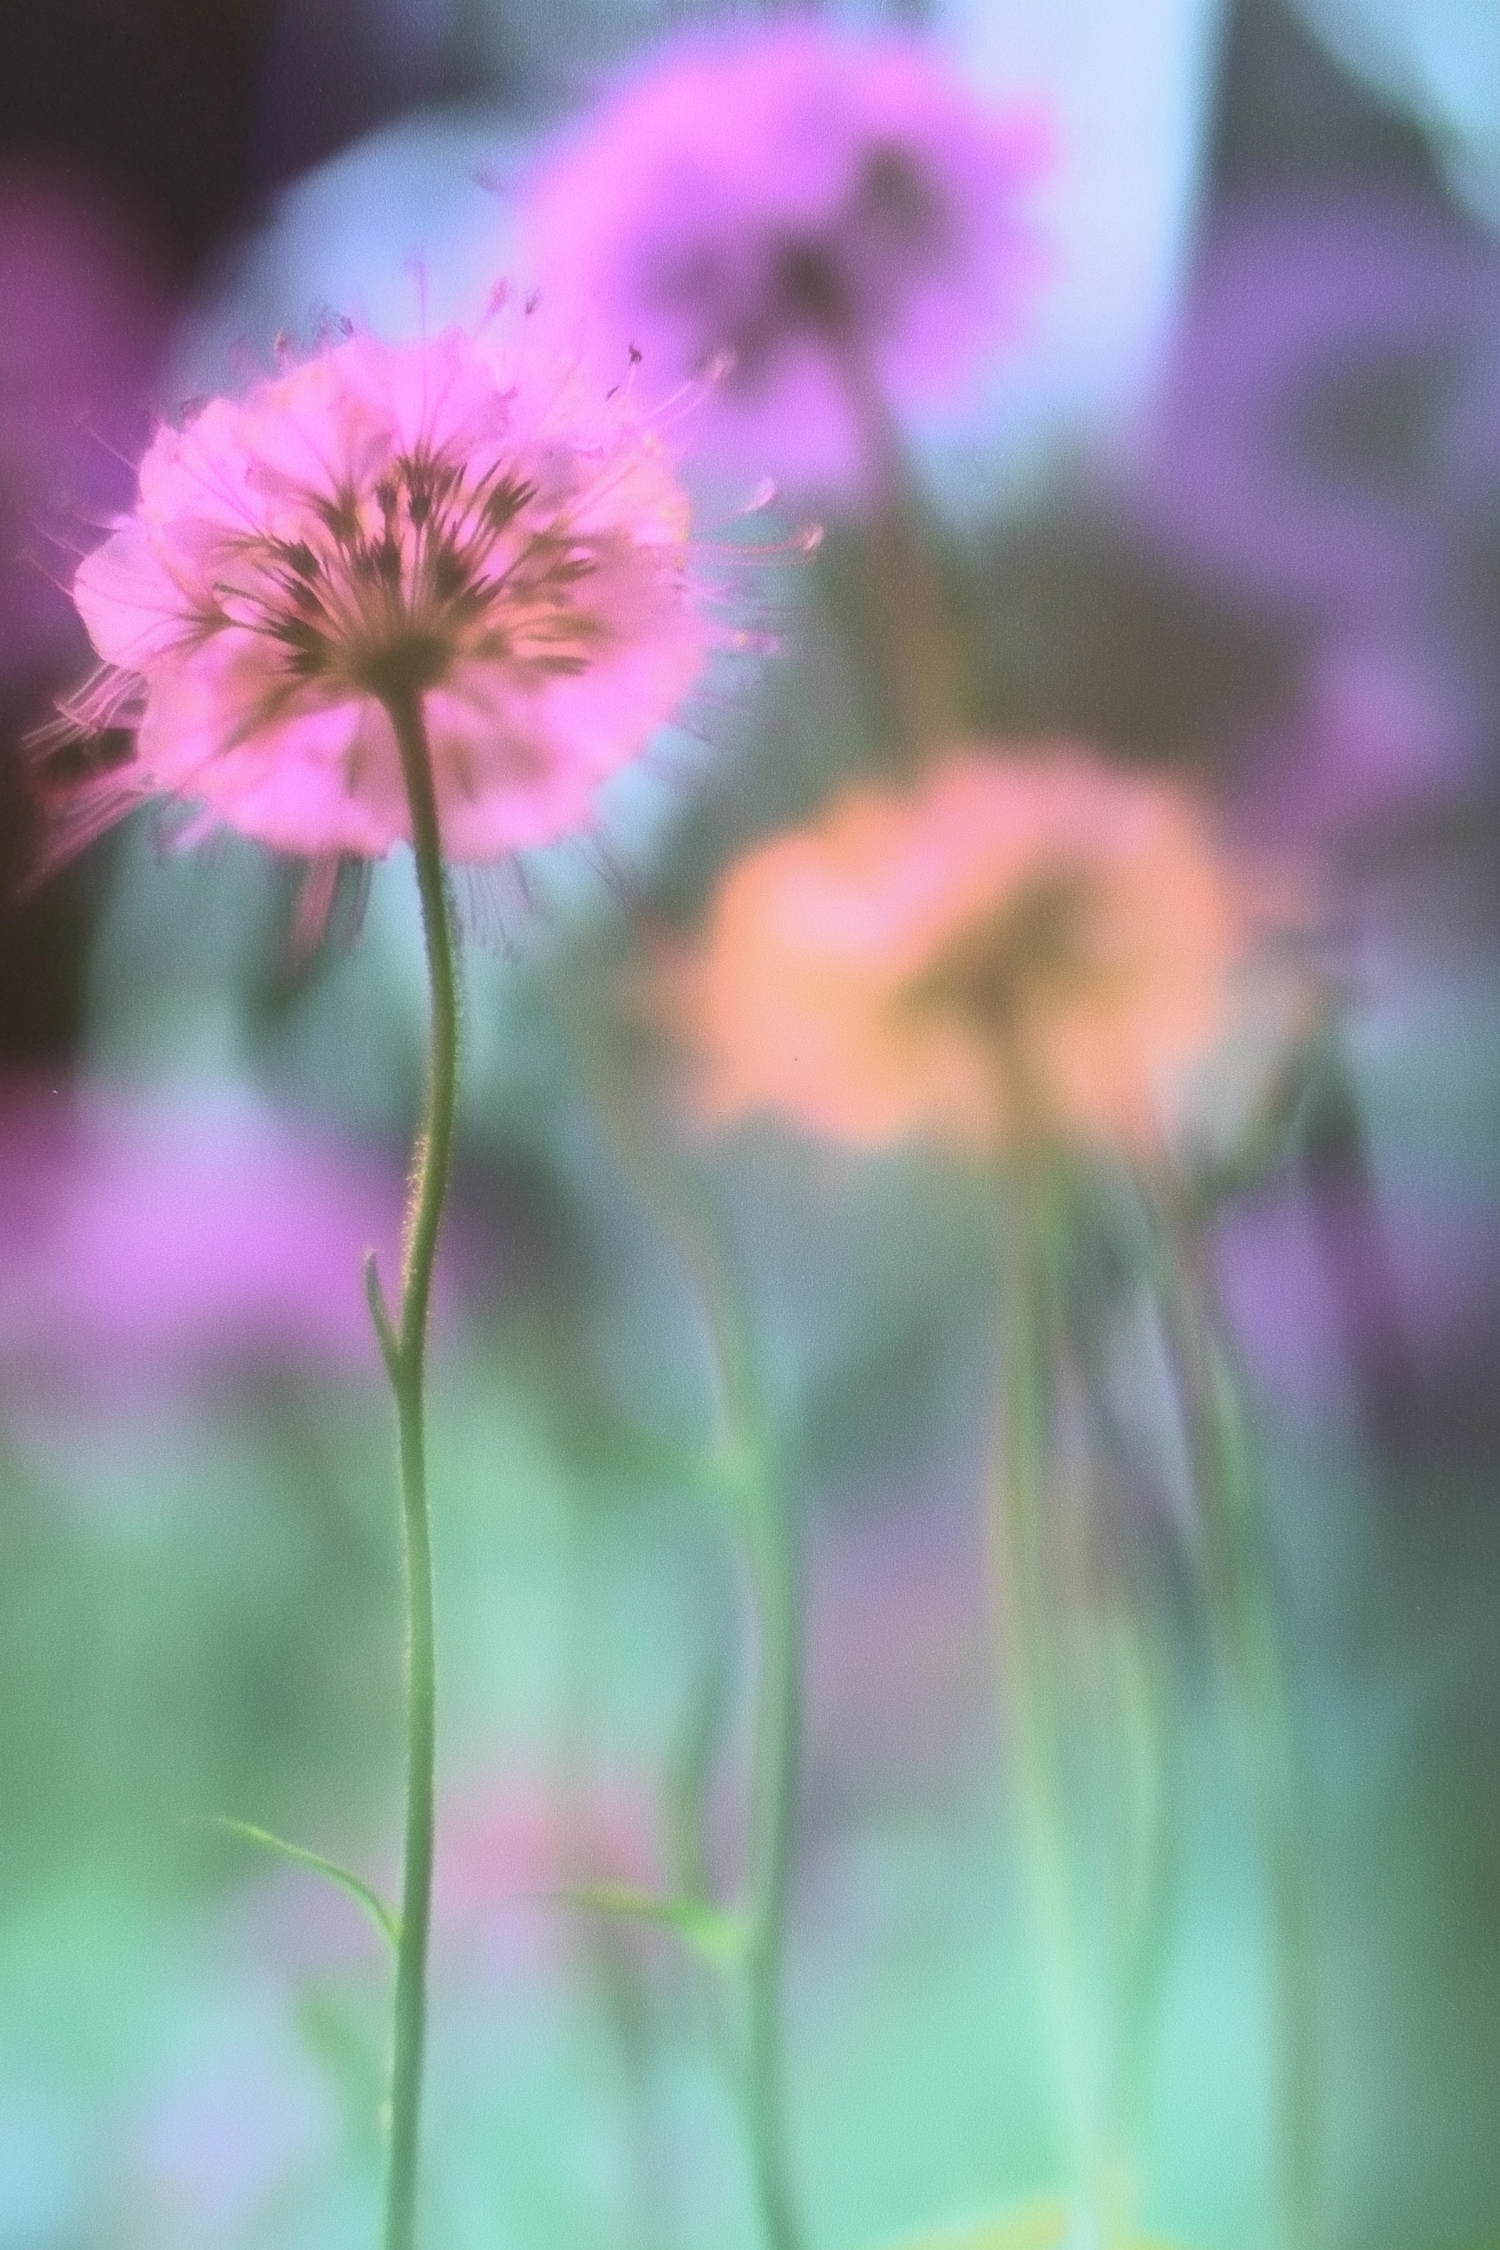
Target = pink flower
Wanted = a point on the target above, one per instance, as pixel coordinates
(467, 517)
(828, 214)
(1028, 944)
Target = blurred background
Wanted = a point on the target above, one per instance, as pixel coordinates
(1233, 510)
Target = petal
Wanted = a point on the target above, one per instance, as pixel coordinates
(134, 610)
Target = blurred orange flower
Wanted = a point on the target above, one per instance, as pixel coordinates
(1030, 944)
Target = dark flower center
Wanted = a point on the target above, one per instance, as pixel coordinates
(1035, 947)
(837, 279)
(392, 584)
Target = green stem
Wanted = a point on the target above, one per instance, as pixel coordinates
(754, 1978)
(776, 1778)
(1144, 1703)
(1056, 1684)
(1243, 1611)
(405, 1350)
(1017, 1532)
(771, 1554)
(914, 646)
(1135, 1699)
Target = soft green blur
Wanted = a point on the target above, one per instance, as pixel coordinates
(201, 1619)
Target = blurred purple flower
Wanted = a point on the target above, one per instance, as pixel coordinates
(1322, 432)
(81, 324)
(1383, 730)
(146, 1250)
(1396, 1324)
(1327, 449)
(829, 219)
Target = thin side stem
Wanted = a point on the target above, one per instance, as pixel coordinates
(406, 1359)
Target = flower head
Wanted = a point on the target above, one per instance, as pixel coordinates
(825, 214)
(1034, 944)
(468, 520)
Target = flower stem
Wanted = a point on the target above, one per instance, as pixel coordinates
(777, 1772)
(1080, 1672)
(914, 651)
(765, 1519)
(1027, 1629)
(752, 1979)
(1243, 1615)
(405, 1351)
